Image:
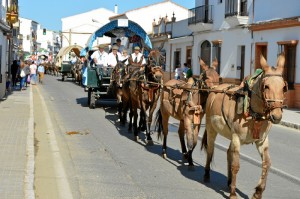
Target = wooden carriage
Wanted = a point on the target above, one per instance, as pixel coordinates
(99, 79)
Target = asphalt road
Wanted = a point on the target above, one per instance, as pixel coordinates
(101, 160)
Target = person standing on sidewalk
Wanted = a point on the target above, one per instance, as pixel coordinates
(27, 72)
(22, 76)
(14, 71)
(41, 72)
(33, 69)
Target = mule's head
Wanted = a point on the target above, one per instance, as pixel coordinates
(119, 71)
(209, 74)
(273, 88)
(155, 73)
(155, 58)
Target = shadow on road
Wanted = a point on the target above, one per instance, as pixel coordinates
(218, 180)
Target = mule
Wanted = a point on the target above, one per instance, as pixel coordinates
(116, 84)
(262, 107)
(144, 86)
(184, 101)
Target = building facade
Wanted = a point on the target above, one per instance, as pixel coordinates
(275, 32)
(8, 16)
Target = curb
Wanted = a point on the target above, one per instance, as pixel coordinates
(29, 172)
(289, 124)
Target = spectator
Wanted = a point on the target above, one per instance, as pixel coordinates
(187, 71)
(178, 72)
(33, 69)
(41, 72)
(22, 76)
(14, 71)
(27, 72)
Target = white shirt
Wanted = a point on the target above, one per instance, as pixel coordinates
(101, 58)
(112, 61)
(123, 58)
(139, 55)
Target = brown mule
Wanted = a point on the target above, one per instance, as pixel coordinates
(266, 94)
(184, 101)
(144, 88)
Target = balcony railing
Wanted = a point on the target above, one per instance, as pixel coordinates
(201, 14)
(236, 8)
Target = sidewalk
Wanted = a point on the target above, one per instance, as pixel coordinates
(291, 118)
(17, 145)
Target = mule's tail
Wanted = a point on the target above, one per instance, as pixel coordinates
(204, 141)
(158, 124)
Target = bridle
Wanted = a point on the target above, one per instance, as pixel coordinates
(269, 103)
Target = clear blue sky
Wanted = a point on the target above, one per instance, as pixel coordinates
(49, 13)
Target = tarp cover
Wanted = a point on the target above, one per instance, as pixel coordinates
(119, 28)
(64, 50)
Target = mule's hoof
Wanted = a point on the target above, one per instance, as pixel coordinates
(149, 142)
(164, 156)
(232, 196)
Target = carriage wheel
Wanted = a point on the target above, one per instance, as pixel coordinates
(93, 100)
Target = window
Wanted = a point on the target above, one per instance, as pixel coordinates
(289, 48)
(177, 58)
(205, 52)
(189, 55)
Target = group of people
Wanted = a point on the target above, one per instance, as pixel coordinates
(186, 72)
(118, 53)
(26, 72)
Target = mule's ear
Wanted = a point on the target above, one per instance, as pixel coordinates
(280, 63)
(263, 63)
(215, 63)
(201, 62)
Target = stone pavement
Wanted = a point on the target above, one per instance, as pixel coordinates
(17, 146)
(17, 143)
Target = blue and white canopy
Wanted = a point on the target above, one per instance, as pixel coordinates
(118, 28)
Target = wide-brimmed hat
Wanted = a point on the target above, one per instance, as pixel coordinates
(124, 51)
(137, 48)
(101, 46)
(115, 47)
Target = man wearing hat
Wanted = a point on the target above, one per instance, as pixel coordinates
(114, 56)
(137, 58)
(100, 57)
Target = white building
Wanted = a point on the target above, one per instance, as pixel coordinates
(77, 29)
(28, 36)
(275, 31)
(91, 21)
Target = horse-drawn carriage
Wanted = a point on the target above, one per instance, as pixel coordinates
(66, 60)
(99, 82)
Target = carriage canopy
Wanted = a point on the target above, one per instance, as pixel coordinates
(65, 50)
(121, 28)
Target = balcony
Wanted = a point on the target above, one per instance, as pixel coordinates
(200, 18)
(236, 12)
